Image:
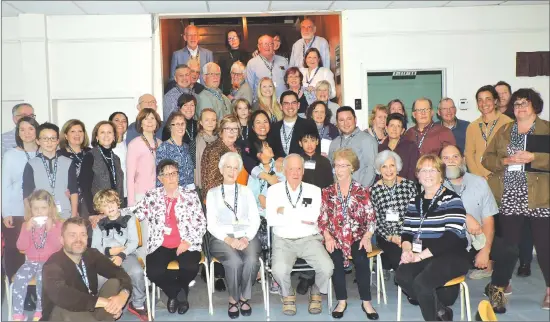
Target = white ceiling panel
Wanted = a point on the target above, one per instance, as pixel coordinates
(47, 7)
(111, 7)
(516, 3)
(472, 3)
(417, 4)
(346, 5)
(8, 10)
(299, 5)
(182, 7)
(241, 6)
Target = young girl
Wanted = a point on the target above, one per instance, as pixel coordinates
(207, 127)
(241, 109)
(39, 239)
(116, 236)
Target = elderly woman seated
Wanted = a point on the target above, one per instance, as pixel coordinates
(233, 222)
(176, 227)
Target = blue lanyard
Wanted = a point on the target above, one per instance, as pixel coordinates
(308, 46)
(84, 275)
(424, 214)
(344, 201)
(52, 174)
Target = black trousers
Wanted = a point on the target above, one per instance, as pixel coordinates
(505, 256)
(423, 281)
(362, 272)
(172, 282)
(391, 255)
(526, 243)
(13, 259)
(512, 228)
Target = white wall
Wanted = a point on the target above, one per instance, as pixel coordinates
(82, 67)
(475, 45)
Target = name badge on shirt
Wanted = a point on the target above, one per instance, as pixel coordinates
(306, 202)
(392, 215)
(515, 167)
(167, 230)
(58, 206)
(417, 245)
(190, 186)
(310, 164)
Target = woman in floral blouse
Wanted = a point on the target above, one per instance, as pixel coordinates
(176, 227)
(390, 197)
(175, 149)
(347, 223)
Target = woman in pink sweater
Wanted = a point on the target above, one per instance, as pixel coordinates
(38, 239)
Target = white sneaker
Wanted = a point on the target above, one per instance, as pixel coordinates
(479, 274)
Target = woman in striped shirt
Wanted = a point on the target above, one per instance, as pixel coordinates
(433, 243)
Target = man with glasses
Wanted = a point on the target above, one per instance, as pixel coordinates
(284, 137)
(18, 111)
(239, 86)
(428, 136)
(446, 112)
(52, 172)
(145, 100)
(195, 69)
(309, 40)
(212, 96)
(191, 52)
(183, 86)
(266, 64)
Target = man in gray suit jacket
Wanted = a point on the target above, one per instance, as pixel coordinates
(191, 51)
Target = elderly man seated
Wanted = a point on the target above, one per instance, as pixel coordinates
(293, 208)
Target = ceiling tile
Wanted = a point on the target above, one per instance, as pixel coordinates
(47, 7)
(243, 6)
(350, 5)
(181, 7)
(8, 10)
(472, 3)
(417, 4)
(111, 7)
(299, 5)
(516, 3)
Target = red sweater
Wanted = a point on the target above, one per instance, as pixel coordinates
(25, 242)
(436, 139)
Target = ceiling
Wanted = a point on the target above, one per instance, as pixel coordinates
(14, 8)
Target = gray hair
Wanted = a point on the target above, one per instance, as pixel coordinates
(229, 156)
(17, 106)
(383, 156)
(292, 155)
(207, 66)
(445, 99)
(238, 65)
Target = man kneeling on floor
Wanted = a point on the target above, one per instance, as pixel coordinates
(69, 291)
(293, 207)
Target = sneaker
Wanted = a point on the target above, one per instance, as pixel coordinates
(479, 274)
(19, 317)
(508, 289)
(275, 288)
(140, 313)
(496, 298)
(37, 316)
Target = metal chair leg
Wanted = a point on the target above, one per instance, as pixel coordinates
(9, 297)
(467, 295)
(329, 296)
(262, 280)
(398, 303)
(461, 302)
(153, 300)
(147, 297)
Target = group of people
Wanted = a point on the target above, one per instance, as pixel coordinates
(261, 171)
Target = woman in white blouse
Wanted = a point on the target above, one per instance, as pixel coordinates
(314, 72)
(233, 221)
(121, 121)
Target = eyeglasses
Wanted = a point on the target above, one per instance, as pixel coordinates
(194, 71)
(422, 110)
(447, 109)
(149, 102)
(522, 104)
(266, 45)
(425, 171)
(341, 166)
(178, 124)
(214, 74)
(170, 174)
(51, 139)
(231, 129)
(236, 74)
(27, 115)
(287, 104)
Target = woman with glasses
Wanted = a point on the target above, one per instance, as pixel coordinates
(267, 100)
(314, 72)
(235, 53)
(177, 150)
(233, 223)
(433, 243)
(518, 159)
(322, 93)
(347, 222)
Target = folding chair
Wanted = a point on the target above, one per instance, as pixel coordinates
(299, 266)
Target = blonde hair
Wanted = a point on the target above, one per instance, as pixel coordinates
(41, 195)
(348, 155)
(435, 161)
(235, 105)
(229, 118)
(67, 127)
(204, 111)
(105, 196)
(264, 102)
(375, 109)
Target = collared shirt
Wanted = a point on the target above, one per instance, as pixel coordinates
(258, 68)
(170, 101)
(299, 48)
(431, 139)
(259, 186)
(213, 98)
(8, 141)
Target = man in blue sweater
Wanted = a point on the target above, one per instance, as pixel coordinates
(446, 112)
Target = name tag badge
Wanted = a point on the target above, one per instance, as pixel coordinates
(515, 167)
(306, 202)
(310, 164)
(392, 215)
(167, 230)
(58, 206)
(417, 246)
(190, 186)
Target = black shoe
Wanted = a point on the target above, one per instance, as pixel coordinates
(339, 315)
(30, 299)
(183, 307)
(444, 314)
(245, 312)
(303, 286)
(172, 305)
(370, 316)
(413, 301)
(219, 285)
(233, 315)
(524, 270)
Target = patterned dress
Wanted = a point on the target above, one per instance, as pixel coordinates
(180, 154)
(514, 196)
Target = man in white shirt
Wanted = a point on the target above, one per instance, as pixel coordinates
(292, 208)
(309, 40)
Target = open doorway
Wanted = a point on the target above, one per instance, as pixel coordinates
(212, 36)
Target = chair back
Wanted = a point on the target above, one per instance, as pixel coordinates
(485, 312)
(140, 238)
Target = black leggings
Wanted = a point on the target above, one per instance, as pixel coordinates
(391, 255)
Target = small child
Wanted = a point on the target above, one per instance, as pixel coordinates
(242, 109)
(116, 235)
(38, 239)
